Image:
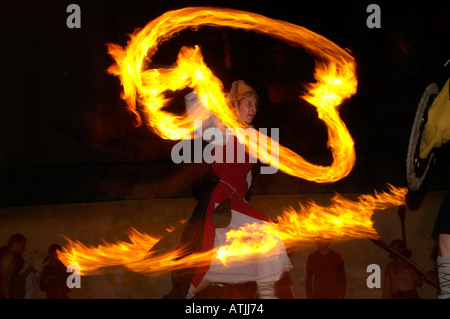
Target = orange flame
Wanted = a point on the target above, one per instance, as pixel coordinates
(343, 220)
(144, 88)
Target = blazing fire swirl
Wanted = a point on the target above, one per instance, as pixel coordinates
(144, 89)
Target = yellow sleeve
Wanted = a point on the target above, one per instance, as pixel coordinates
(437, 129)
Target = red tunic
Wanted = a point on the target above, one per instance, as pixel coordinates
(235, 174)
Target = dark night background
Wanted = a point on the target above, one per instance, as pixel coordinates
(66, 136)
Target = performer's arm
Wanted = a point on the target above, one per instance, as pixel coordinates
(6, 271)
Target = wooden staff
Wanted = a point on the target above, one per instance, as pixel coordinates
(425, 275)
(402, 216)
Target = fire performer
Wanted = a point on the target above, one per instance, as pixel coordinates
(203, 232)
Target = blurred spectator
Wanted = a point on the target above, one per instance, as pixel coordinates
(13, 274)
(54, 276)
(325, 273)
(401, 279)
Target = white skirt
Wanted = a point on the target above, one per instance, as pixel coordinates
(264, 267)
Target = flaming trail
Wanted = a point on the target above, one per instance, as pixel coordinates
(342, 220)
(143, 91)
(89, 259)
(132, 254)
(144, 88)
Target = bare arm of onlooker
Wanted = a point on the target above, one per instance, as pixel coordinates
(6, 271)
